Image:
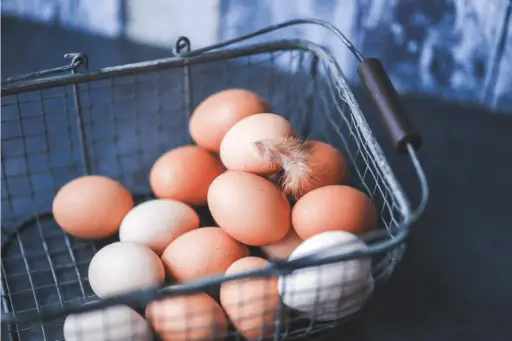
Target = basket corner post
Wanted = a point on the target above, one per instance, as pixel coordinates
(77, 60)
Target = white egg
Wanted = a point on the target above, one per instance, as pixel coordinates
(325, 292)
(156, 223)
(122, 267)
(113, 323)
(339, 309)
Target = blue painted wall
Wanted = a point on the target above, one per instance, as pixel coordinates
(459, 50)
(102, 17)
(455, 49)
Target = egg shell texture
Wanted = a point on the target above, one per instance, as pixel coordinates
(251, 303)
(206, 251)
(249, 208)
(283, 248)
(184, 174)
(122, 267)
(188, 317)
(328, 166)
(237, 151)
(156, 223)
(214, 116)
(332, 208)
(91, 207)
(339, 309)
(326, 288)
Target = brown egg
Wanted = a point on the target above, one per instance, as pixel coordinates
(207, 251)
(249, 208)
(237, 150)
(283, 248)
(251, 303)
(91, 206)
(212, 119)
(332, 208)
(305, 165)
(328, 166)
(184, 174)
(189, 317)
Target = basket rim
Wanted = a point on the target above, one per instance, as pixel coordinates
(174, 61)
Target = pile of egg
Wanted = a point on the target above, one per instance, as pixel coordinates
(265, 188)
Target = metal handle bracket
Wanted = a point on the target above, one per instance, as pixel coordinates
(387, 100)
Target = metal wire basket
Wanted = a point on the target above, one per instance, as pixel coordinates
(66, 122)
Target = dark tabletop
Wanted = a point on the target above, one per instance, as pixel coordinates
(454, 281)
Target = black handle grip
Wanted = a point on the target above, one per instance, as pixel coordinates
(384, 95)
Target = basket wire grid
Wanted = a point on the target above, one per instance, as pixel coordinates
(63, 123)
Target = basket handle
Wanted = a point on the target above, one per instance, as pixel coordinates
(399, 127)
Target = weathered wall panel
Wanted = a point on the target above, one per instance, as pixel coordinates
(502, 94)
(102, 17)
(439, 47)
(445, 48)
